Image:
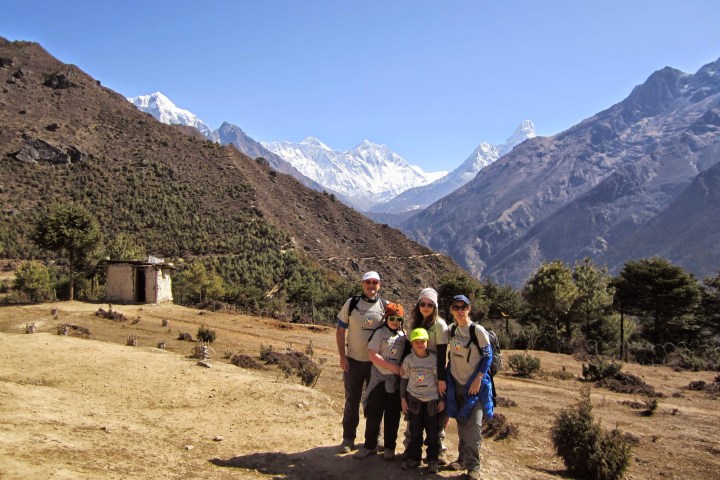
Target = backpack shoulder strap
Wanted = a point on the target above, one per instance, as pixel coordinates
(473, 335)
(373, 332)
(353, 304)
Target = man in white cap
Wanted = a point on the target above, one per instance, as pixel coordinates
(357, 319)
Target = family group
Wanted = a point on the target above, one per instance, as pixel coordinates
(418, 367)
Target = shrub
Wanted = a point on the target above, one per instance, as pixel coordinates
(294, 364)
(684, 359)
(33, 279)
(504, 402)
(500, 428)
(651, 405)
(697, 385)
(245, 361)
(206, 334)
(599, 368)
(628, 383)
(586, 450)
(524, 364)
(561, 374)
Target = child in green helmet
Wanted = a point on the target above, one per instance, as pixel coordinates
(421, 402)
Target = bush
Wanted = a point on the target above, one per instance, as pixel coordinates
(206, 334)
(499, 427)
(33, 279)
(245, 361)
(294, 364)
(628, 383)
(599, 368)
(586, 450)
(524, 364)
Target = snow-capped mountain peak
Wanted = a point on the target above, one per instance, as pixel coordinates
(165, 111)
(368, 173)
(483, 155)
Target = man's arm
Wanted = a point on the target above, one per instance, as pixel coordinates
(340, 339)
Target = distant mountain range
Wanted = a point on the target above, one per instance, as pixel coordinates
(417, 198)
(368, 173)
(636, 180)
(360, 177)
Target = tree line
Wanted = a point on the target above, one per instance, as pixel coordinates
(651, 312)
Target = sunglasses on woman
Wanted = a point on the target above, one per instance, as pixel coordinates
(426, 305)
(461, 307)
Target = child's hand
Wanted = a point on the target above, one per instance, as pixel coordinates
(441, 405)
(404, 405)
(442, 386)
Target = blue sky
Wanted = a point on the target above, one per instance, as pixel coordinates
(430, 79)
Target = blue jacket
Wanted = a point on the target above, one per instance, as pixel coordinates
(484, 396)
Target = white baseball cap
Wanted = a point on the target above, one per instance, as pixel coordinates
(372, 275)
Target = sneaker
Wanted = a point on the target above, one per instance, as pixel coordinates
(474, 474)
(433, 466)
(347, 445)
(364, 453)
(380, 448)
(389, 454)
(410, 464)
(456, 465)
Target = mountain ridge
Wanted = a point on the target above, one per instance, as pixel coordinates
(584, 191)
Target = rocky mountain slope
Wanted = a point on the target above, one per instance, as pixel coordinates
(165, 111)
(64, 137)
(417, 198)
(591, 189)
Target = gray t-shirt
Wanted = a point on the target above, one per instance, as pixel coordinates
(460, 345)
(438, 335)
(389, 345)
(421, 374)
(364, 318)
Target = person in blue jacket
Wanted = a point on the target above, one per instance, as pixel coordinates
(469, 391)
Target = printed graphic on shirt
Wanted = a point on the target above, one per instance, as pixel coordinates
(458, 348)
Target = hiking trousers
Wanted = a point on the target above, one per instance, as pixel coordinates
(469, 432)
(357, 376)
(381, 405)
(417, 424)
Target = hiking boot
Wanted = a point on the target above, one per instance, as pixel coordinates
(433, 466)
(410, 464)
(389, 454)
(380, 448)
(456, 465)
(347, 445)
(474, 474)
(442, 460)
(364, 453)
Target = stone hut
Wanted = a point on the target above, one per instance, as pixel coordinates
(137, 281)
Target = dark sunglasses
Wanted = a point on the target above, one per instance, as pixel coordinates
(371, 282)
(462, 307)
(424, 304)
(395, 318)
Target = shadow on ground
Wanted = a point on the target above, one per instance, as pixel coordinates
(325, 463)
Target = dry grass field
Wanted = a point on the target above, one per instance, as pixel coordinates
(82, 408)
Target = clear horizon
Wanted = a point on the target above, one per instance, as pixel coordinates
(431, 80)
